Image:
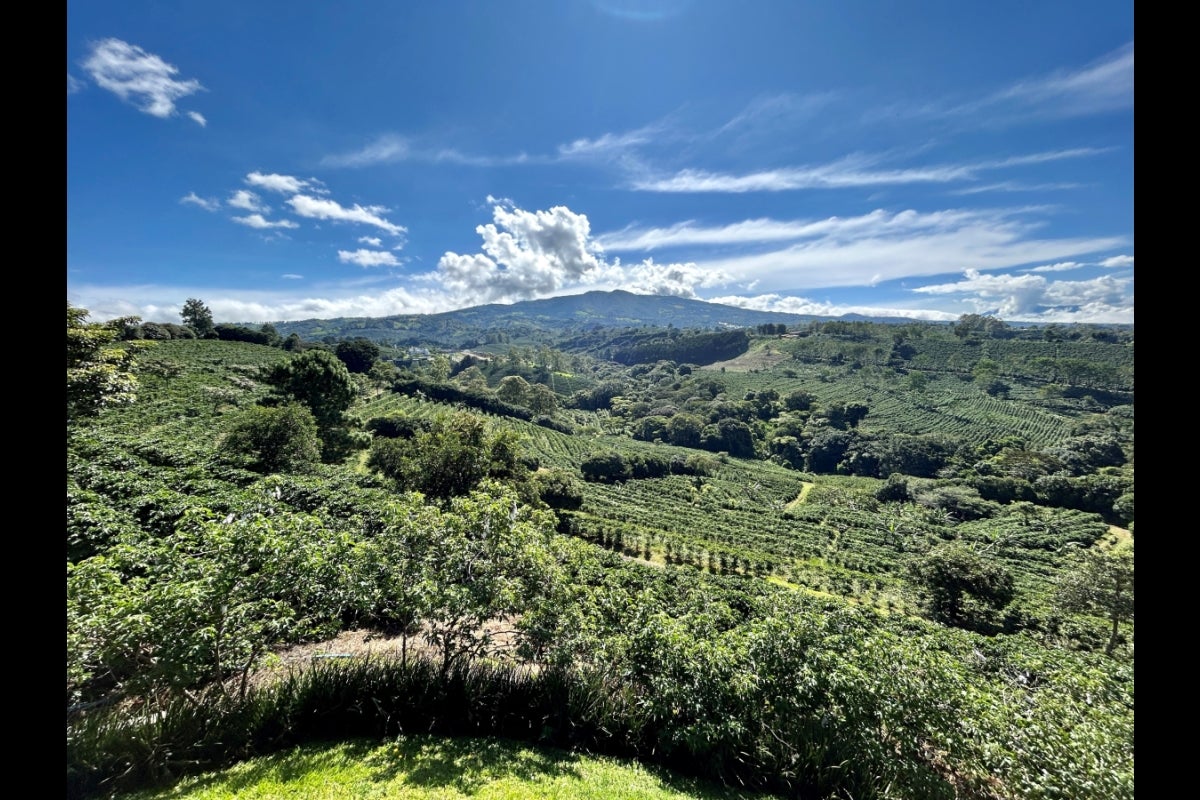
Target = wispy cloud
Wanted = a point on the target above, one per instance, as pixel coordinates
(137, 77)
(853, 171)
(1104, 85)
(291, 276)
(74, 84)
(875, 223)
(374, 241)
(321, 208)
(1117, 261)
(259, 222)
(1062, 266)
(986, 241)
(790, 304)
(1016, 186)
(208, 204)
(368, 258)
(198, 118)
(393, 148)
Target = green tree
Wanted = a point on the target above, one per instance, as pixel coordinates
(1100, 583)
(358, 354)
(282, 439)
(513, 389)
(197, 317)
(951, 573)
(452, 457)
(319, 380)
(98, 376)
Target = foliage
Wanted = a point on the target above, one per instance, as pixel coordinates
(1100, 582)
(951, 573)
(198, 317)
(448, 458)
(98, 376)
(281, 439)
(319, 380)
(358, 354)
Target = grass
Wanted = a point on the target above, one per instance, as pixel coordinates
(432, 768)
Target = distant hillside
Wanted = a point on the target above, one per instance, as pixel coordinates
(527, 318)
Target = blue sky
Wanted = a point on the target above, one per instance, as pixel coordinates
(286, 161)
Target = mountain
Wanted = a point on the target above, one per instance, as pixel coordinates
(528, 318)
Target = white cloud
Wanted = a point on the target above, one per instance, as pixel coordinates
(852, 171)
(74, 84)
(391, 148)
(865, 250)
(319, 208)
(368, 258)
(803, 305)
(257, 221)
(608, 144)
(374, 241)
(247, 200)
(1017, 186)
(284, 184)
(1104, 85)
(1117, 261)
(1032, 297)
(384, 150)
(1062, 266)
(878, 222)
(208, 204)
(137, 77)
(198, 118)
(868, 260)
(291, 276)
(528, 254)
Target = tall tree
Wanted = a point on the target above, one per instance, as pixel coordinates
(197, 317)
(1101, 583)
(97, 375)
(319, 380)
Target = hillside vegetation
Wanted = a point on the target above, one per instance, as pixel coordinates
(837, 559)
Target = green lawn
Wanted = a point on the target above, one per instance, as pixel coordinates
(430, 768)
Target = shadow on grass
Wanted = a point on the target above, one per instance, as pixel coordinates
(468, 765)
(465, 766)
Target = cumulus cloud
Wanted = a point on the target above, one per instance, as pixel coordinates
(208, 204)
(284, 184)
(526, 254)
(247, 201)
(259, 222)
(198, 118)
(1032, 297)
(142, 79)
(374, 241)
(321, 208)
(529, 254)
(1117, 261)
(368, 258)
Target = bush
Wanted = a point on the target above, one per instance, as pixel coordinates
(282, 439)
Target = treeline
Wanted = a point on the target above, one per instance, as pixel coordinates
(692, 348)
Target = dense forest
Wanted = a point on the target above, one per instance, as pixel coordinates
(818, 559)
